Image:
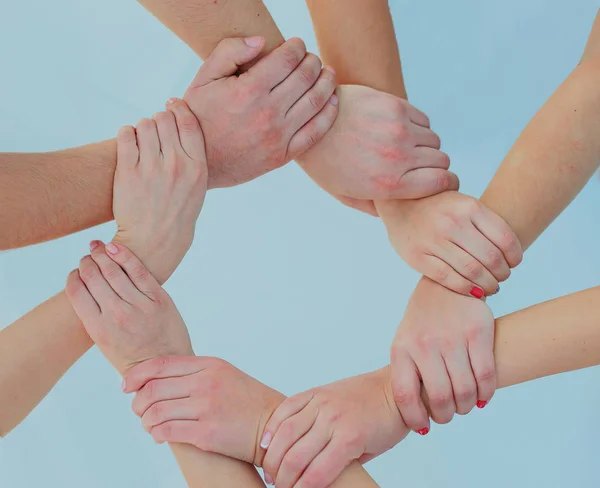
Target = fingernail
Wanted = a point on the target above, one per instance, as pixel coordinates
(481, 403)
(423, 431)
(123, 386)
(253, 41)
(266, 440)
(477, 292)
(330, 68)
(497, 290)
(172, 100)
(334, 100)
(112, 248)
(268, 479)
(94, 245)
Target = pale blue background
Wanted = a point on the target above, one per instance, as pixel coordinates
(282, 281)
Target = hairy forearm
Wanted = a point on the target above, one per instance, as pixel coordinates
(553, 159)
(44, 196)
(362, 46)
(35, 352)
(202, 24)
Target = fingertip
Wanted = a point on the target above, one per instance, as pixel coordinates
(112, 249)
(254, 42)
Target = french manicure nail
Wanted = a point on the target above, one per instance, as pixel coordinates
(123, 386)
(423, 431)
(112, 248)
(268, 479)
(172, 100)
(266, 440)
(253, 41)
(94, 245)
(477, 292)
(334, 100)
(481, 403)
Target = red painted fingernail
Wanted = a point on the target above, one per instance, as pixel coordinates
(481, 404)
(423, 431)
(477, 292)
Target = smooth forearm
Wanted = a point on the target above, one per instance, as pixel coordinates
(357, 38)
(35, 352)
(64, 191)
(202, 24)
(553, 159)
(207, 470)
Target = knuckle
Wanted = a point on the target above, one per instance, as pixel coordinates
(293, 462)
(465, 393)
(440, 399)
(443, 180)
(487, 373)
(121, 316)
(155, 413)
(495, 258)
(314, 479)
(188, 124)
(317, 100)
(441, 274)
(472, 206)
(473, 269)
(404, 396)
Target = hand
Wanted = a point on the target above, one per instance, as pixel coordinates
(445, 340)
(379, 148)
(202, 401)
(264, 118)
(123, 308)
(159, 187)
(454, 240)
(313, 436)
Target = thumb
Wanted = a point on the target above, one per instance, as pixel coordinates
(227, 58)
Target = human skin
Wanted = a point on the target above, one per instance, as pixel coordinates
(253, 124)
(547, 167)
(211, 404)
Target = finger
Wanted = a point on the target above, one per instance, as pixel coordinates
(127, 149)
(190, 133)
(161, 412)
(366, 206)
(82, 301)
(418, 117)
(327, 466)
(426, 137)
(271, 70)
(98, 287)
(167, 134)
(462, 378)
(500, 234)
(289, 432)
(481, 354)
(469, 268)
(424, 182)
(438, 270)
(406, 387)
(227, 58)
(314, 130)
(301, 454)
(137, 272)
(428, 157)
(148, 142)
(163, 367)
(114, 275)
(288, 408)
(299, 82)
(313, 101)
(158, 390)
(176, 431)
(485, 252)
(437, 385)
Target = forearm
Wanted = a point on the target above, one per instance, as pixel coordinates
(35, 352)
(206, 470)
(202, 24)
(553, 159)
(362, 47)
(44, 196)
